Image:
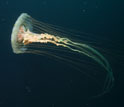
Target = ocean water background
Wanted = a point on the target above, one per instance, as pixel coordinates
(35, 81)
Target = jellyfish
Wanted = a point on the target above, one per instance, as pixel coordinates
(32, 36)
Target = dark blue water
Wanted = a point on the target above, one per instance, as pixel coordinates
(35, 81)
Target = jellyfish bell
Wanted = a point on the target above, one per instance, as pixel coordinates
(21, 25)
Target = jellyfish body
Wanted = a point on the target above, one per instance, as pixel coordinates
(23, 37)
